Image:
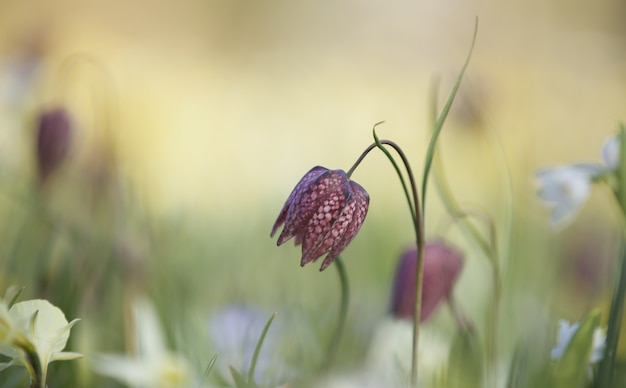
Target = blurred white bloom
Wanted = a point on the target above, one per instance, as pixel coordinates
(12, 337)
(153, 366)
(34, 326)
(235, 332)
(388, 361)
(610, 152)
(567, 188)
(565, 334)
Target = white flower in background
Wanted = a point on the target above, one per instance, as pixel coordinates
(567, 188)
(34, 328)
(235, 332)
(565, 334)
(610, 153)
(12, 337)
(153, 366)
(388, 360)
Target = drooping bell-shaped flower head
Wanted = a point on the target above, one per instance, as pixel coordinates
(323, 212)
(54, 133)
(442, 266)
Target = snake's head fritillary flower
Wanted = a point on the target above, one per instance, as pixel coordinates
(323, 212)
(54, 133)
(442, 266)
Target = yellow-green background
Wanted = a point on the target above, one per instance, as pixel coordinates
(213, 110)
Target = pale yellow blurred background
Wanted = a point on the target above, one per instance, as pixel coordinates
(214, 109)
(223, 105)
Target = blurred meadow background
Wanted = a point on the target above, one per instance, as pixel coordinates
(192, 121)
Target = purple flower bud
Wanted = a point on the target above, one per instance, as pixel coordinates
(442, 266)
(323, 212)
(54, 132)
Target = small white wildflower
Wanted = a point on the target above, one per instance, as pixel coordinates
(35, 325)
(388, 360)
(153, 366)
(235, 332)
(564, 336)
(610, 152)
(566, 188)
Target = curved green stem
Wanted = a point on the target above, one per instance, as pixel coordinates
(411, 200)
(605, 372)
(363, 154)
(343, 313)
(34, 367)
(418, 225)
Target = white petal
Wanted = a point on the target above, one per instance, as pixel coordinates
(133, 372)
(599, 343)
(566, 187)
(564, 336)
(61, 356)
(610, 152)
(148, 332)
(50, 331)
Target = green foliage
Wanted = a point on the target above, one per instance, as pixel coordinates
(572, 369)
(466, 362)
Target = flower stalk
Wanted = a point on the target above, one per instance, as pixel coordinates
(418, 225)
(308, 216)
(343, 313)
(605, 372)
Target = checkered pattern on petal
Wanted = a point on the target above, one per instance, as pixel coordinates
(323, 212)
(316, 236)
(354, 217)
(294, 197)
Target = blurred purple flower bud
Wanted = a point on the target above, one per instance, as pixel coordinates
(323, 212)
(54, 133)
(442, 266)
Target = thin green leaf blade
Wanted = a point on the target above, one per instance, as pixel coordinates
(442, 118)
(209, 368)
(240, 380)
(257, 349)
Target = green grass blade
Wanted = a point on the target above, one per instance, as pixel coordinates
(442, 118)
(257, 350)
(605, 372)
(209, 368)
(238, 378)
(12, 295)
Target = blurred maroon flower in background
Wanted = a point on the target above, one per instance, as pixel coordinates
(323, 212)
(54, 133)
(442, 266)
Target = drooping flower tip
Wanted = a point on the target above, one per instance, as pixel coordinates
(324, 212)
(54, 134)
(442, 266)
